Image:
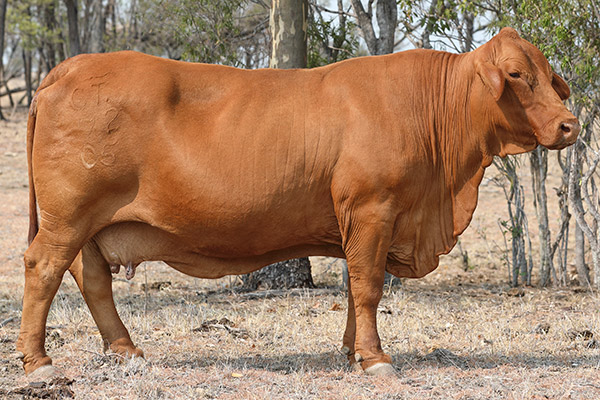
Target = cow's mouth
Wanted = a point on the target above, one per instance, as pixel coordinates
(563, 142)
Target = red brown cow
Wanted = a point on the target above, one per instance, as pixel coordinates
(217, 171)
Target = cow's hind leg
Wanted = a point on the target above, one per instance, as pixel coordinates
(350, 332)
(45, 265)
(93, 276)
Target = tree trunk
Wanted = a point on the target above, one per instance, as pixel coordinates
(387, 20)
(97, 28)
(3, 6)
(518, 238)
(48, 46)
(27, 71)
(132, 33)
(282, 275)
(111, 13)
(517, 223)
(86, 23)
(73, 21)
(469, 30)
(577, 202)
(539, 168)
(583, 271)
(288, 28)
(576, 190)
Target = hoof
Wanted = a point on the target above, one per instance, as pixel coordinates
(136, 363)
(381, 369)
(126, 351)
(345, 350)
(45, 374)
(136, 353)
(356, 367)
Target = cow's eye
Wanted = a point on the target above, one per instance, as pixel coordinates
(515, 75)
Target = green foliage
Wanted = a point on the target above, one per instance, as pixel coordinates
(330, 41)
(25, 19)
(515, 231)
(207, 29)
(437, 18)
(229, 32)
(217, 32)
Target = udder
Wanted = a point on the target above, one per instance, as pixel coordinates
(129, 244)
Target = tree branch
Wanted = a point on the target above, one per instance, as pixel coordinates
(387, 19)
(364, 23)
(576, 203)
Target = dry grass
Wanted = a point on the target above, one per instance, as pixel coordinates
(452, 335)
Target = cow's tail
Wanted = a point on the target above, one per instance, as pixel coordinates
(54, 75)
(33, 218)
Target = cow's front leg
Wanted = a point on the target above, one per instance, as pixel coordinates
(366, 244)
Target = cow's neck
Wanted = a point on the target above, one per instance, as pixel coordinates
(463, 154)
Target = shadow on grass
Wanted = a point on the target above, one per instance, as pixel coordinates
(289, 363)
(334, 362)
(415, 360)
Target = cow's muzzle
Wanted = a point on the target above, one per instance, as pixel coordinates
(566, 134)
(570, 130)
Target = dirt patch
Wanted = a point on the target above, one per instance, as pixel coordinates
(56, 389)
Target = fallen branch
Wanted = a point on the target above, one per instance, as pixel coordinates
(7, 321)
(287, 292)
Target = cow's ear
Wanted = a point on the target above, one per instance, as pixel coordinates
(492, 78)
(560, 86)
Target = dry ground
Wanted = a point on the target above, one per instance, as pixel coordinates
(453, 335)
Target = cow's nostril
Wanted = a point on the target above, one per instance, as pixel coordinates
(570, 128)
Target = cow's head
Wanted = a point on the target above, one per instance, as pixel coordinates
(524, 95)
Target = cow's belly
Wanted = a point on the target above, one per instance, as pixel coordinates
(134, 242)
